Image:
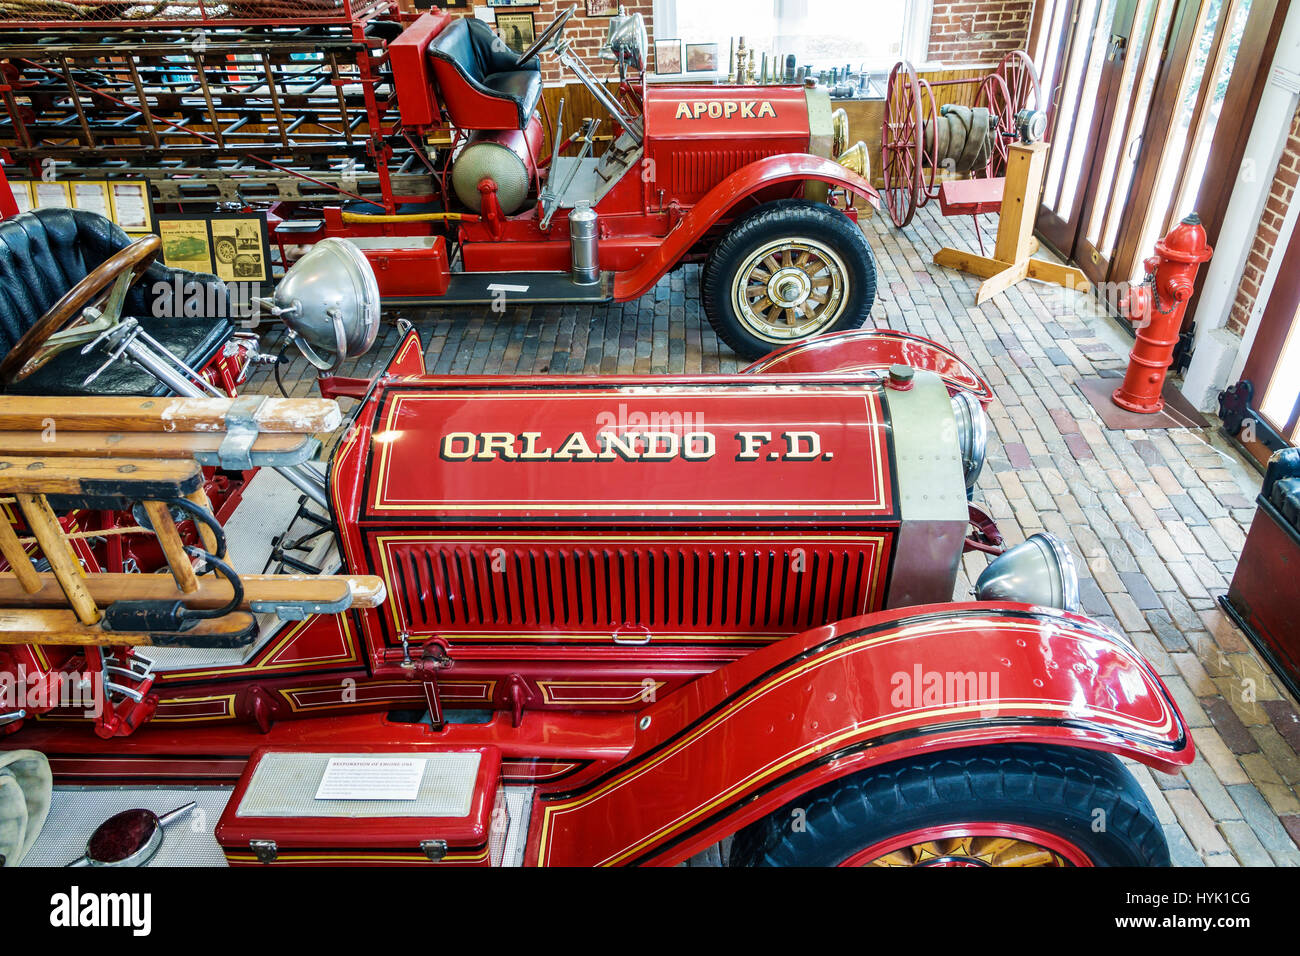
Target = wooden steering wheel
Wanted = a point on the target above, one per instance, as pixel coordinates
(31, 351)
(549, 35)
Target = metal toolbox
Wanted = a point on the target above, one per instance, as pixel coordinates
(367, 806)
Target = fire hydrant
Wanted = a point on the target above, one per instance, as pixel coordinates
(1156, 307)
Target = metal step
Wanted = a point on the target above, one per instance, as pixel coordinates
(484, 288)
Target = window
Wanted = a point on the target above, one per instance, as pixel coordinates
(822, 34)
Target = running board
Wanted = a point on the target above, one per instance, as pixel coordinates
(485, 288)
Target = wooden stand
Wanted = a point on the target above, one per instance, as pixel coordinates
(1013, 254)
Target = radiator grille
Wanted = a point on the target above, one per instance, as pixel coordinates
(736, 587)
(694, 172)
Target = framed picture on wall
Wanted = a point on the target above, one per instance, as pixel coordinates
(702, 58)
(517, 30)
(668, 57)
(602, 8)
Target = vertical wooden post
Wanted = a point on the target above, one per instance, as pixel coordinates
(1024, 183)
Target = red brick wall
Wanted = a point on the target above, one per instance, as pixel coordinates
(978, 31)
(1270, 223)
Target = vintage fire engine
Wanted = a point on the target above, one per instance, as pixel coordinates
(469, 196)
(625, 617)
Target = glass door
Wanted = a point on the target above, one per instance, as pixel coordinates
(1095, 40)
(1194, 89)
(1142, 86)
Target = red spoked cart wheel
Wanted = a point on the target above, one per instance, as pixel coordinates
(996, 98)
(929, 185)
(900, 144)
(1021, 77)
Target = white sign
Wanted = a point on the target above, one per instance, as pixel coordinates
(371, 778)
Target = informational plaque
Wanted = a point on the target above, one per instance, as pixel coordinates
(371, 778)
(51, 194)
(92, 196)
(22, 195)
(131, 206)
(185, 243)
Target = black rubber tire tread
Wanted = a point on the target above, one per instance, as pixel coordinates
(1055, 789)
(786, 217)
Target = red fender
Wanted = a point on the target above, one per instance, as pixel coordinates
(868, 350)
(754, 735)
(770, 171)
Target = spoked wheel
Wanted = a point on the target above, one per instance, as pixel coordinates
(971, 844)
(900, 144)
(788, 271)
(930, 169)
(994, 95)
(1000, 805)
(1021, 78)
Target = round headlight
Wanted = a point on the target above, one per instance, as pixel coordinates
(1039, 571)
(972, 435)
(329, 300)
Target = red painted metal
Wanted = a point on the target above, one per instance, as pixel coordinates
(1156, 307)
(874, 350)
(417, 99)
(625, 624)
(971, 197)
(757, 176)
(8, 206)
(741, 742)
(1014, 831)
(475, 839)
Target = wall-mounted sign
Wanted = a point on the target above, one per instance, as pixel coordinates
(126, 202)
(235, 247)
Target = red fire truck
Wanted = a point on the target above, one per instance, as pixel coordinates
(473, 198)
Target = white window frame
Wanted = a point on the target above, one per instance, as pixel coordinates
(916, 38)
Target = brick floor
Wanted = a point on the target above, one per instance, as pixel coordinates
(1156, 518)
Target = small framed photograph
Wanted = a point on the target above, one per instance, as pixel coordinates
(668, 57)
(702, 58)
(517, 30)
(602, 8)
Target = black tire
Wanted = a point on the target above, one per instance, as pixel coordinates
(787, 219)
(1056, 790)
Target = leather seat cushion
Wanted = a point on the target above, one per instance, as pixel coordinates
(1285, 497)
(522, 86)
(194, 340)
(44, 253)
(484, 64)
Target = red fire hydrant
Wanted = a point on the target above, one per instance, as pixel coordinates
(1156, 307)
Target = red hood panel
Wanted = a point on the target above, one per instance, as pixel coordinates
(678, 112)
(563, 453)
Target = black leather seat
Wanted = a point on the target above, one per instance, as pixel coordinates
(1282, 485)
(494, 87)
(46, 252)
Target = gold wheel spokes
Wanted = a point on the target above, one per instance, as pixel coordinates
(790, 289)
(971, 851)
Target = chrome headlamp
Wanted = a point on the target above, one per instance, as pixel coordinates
(329, 300)
(1039, 571)
(972, 435)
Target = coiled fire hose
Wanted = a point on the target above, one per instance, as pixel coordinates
(963, 137)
